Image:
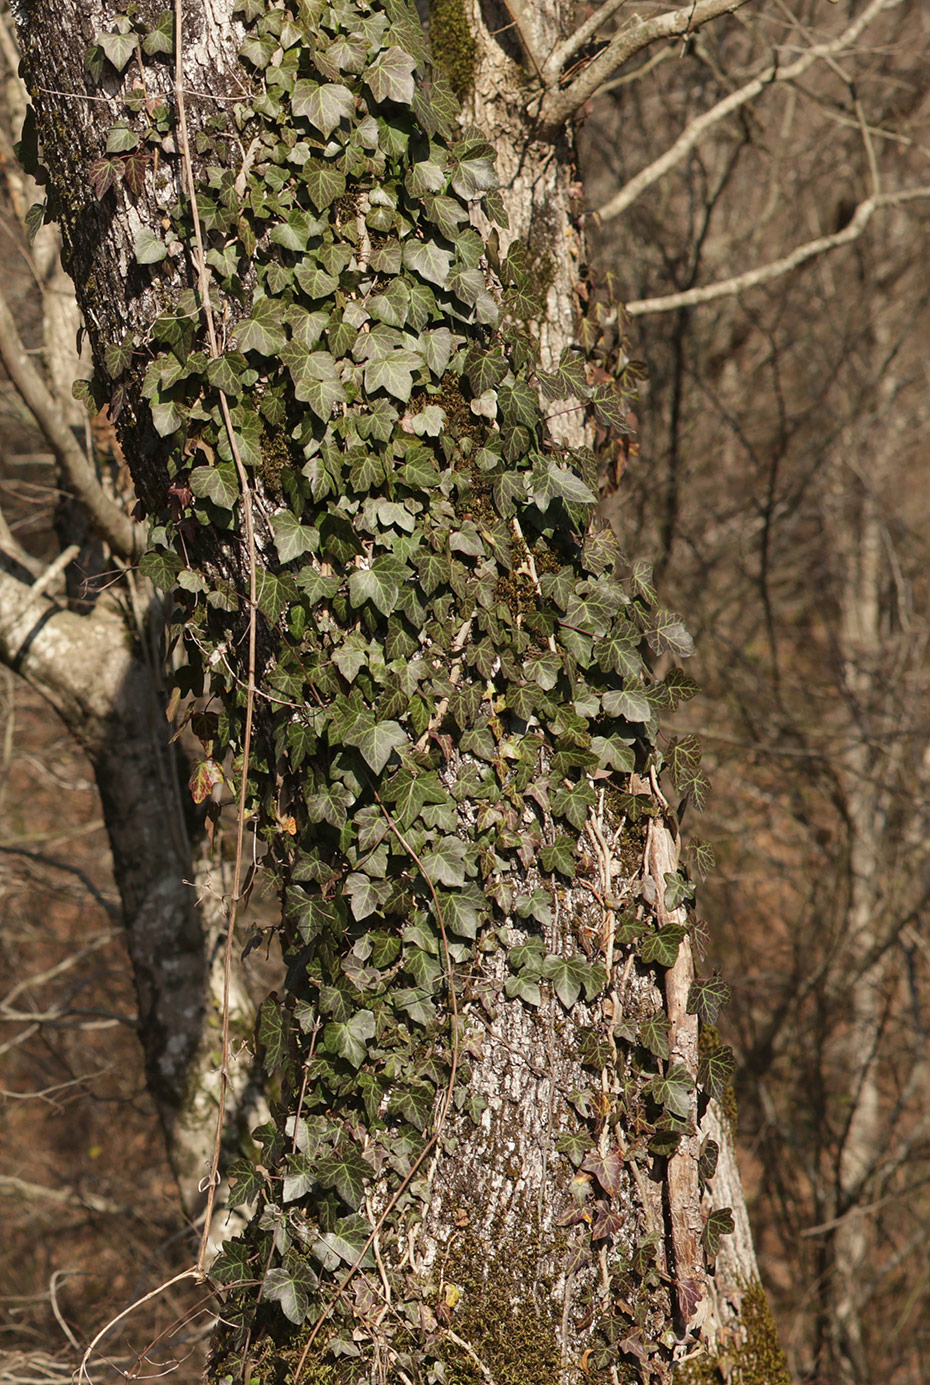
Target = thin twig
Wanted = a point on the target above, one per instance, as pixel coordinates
(698, 127)
(764, 274)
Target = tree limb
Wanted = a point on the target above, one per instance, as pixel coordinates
(690, 136)
(764, 274)
(702, 123)
(558, 106)
(124, 536)
(577, 39)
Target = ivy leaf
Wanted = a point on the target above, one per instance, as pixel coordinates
(345, 1243)
(393, 373)
(103, 174)
(667, 635)
(607, 1169)
(390, 76)
(445, 863)
(345, 1171)
(291, 1284)
(678, 890)
(715, 1069)
(568, 975)
(523, 988)
(147, 247)
(673, 1091)
(160, 37)
(134, 170)
(119, 48)
(377, 741)
(291, 538)
(324, 183)
(429, 260)
(629, 703)
(560, 856)
(324, 105)
(120, 139)
(378, 584)
(706, 998)
(349, 1040)
(263, 330)
(272, 1034)
(662, 946)
(653, 1034)
(246, 1182)
(463, 911)
(217, 483)
(719, 1223)
(707, 1160)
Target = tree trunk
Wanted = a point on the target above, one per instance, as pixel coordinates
(92, 674)
(492, 1157)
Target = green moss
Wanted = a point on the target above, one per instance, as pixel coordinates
(511, 1333)
(753, 1357)
(453, 44)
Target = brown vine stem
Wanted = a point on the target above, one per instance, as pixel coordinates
(204, 277)
(443, 1110)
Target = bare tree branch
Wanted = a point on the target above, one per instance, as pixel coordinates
(518, 10)
(124, 537)
(764, 274)
(689, 137)
(570, 46)
(557, 106)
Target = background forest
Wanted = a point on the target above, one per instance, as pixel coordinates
(777, 483)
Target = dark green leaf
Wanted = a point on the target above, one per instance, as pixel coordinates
(707, 997)
(715, 1069)
(719, 1223)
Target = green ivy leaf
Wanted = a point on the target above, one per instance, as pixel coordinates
(666, 634)
(377, 741)
(346, 1171)
(523, 988)
(263, 330)
(653, 1034)
(324, 183)
(325, 106)
(715, 1070)
(673, 1091)
(119, 49)
(349, 1040)
(707, 997)
(445, 863)
(147, 247)
(719, 1223)
(272, 1034)
(662, 946)
(291, 538)
(568, 976)
(290, 1285)
(428, 259)
(390, 76)
(217, 483)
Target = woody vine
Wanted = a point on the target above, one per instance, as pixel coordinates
(425, 671)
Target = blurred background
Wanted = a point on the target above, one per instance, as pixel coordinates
(780, 484)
